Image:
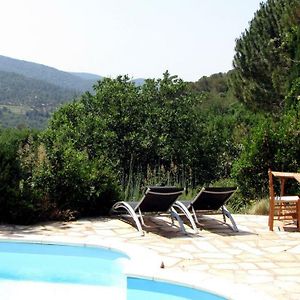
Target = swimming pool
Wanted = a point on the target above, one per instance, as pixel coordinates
(139, 288)
(51, 271)
(60, 272)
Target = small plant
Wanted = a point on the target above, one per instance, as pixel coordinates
(259, 207)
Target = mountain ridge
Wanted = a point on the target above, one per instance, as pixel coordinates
(46, 73)
(30, 92)
(17, 89)
(87, 76)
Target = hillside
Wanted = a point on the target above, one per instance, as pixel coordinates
(87, 76)
(51, 75)
(30, 92)
(17, 89)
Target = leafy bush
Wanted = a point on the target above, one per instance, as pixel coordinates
(19, 203)
(48, 178)
(272, 144)
(76, 183)
(77, 173)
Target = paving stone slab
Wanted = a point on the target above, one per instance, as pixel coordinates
(266, 261)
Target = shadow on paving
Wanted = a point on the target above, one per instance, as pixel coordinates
(164, 228)
(47, 227)
(161, 227)
(216, 226)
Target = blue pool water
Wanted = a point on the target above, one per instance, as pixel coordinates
(31, 271)
(61, 264)
(138, 288)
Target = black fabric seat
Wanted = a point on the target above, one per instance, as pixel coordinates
(156, 200)
(209, 199)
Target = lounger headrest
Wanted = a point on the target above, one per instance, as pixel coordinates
(220, 189)
(165, 189)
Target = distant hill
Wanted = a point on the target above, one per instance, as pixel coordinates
(87, 76)
(30, 92)
(51, 75)
(17, 89)
(29, 101)
(139, 81)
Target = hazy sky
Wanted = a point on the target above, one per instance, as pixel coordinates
(141, 38)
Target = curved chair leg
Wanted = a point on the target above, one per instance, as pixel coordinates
(175, 215)
(140, 217)
(131, 212)
(172, 219)
(196, 218)
(229, 216)
(185, 211)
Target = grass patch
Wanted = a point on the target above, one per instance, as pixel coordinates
(259, 207)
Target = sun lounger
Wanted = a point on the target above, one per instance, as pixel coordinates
(209, 199)
(156, 200)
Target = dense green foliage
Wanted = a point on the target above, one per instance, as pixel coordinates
(37, 184)
(270, 144)
(110, 143)
(160, 133)
(18, 201)
(216, 84)
(141, 129)
(267, 56)
(266, 77)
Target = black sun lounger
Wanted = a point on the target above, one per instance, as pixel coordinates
(156, 200)
(209, 199)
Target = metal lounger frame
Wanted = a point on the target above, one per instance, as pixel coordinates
(192, 216)
(136, 213)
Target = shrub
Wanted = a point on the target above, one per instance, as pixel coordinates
(18, 201)
(77, 183)
(272, 144)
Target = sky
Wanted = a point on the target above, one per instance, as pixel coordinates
(140, 38)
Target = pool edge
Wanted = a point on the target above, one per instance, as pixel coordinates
(145, 263)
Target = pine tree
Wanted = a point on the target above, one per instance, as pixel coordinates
(266, 59)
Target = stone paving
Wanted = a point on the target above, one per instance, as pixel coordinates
(266, 262)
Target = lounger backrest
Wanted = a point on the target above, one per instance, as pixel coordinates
(212, 198)
(159, 199)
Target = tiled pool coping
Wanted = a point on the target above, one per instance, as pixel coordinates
(254, 263)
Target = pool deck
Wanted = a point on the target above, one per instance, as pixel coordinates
(255, 262)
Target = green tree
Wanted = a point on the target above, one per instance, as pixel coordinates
(270, 144)
(19, 202)
(132, 129)
(266, 78)
(266, 59)
(77, 174)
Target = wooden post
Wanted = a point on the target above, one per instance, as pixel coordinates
(272, 200)
(282, 182)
